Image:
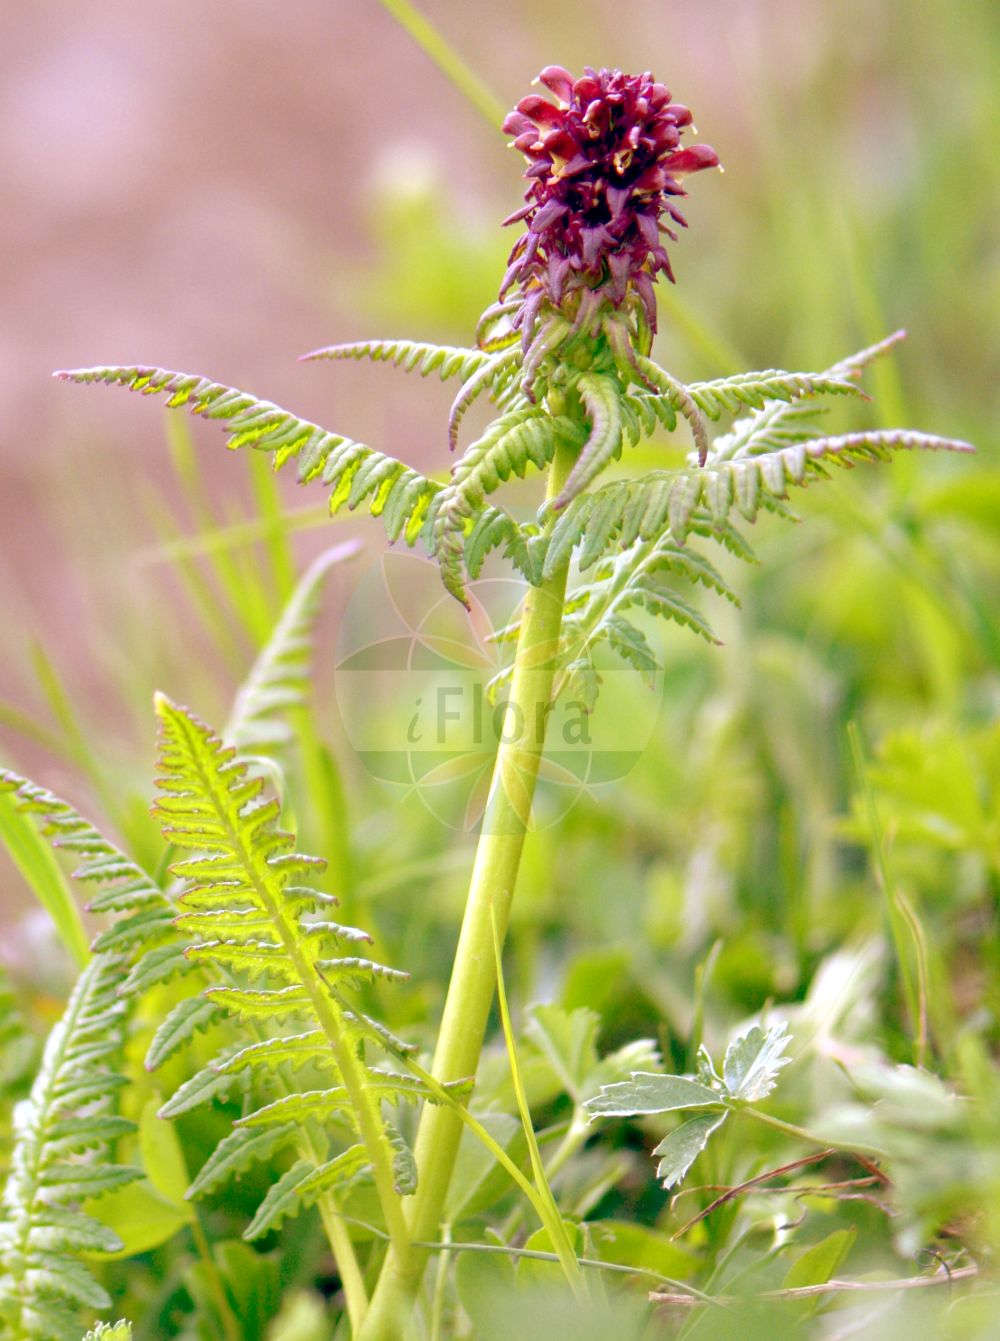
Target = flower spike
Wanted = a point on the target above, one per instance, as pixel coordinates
(605, 165)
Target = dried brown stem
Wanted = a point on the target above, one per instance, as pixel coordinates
(732, 1192)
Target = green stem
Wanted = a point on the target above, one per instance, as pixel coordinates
(494, 875)
(571, 1144)
(339, 1238)
(551, 1218)
(230, 1326)
(440, 1288)
(482, 1134)
(446, 1246)
(447, 60)
(351, 1280)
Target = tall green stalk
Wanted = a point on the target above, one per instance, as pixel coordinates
(491, 889)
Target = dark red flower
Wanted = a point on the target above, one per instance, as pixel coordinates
(605, 166)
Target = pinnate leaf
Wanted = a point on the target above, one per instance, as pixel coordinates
(208, 1084)
(678, 1151)
(753, 1060)
(179, 1027)
(302, 1185)
(647, 1093)
(236, 1152)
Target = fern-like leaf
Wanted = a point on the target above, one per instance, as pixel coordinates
(484, 376)
(601, 399)
(126, 886)
(624, 511)
(643, 577)
(630, 644)
(279, 677)
(650, 518)
(144, 913)
(144, 921)
(184, 1020)
(781, 422)
(515, 441)
(302, 1186)
(235, 1154)
(679, 398)
(353, 472)
(410, 355)
(747, 482)
(403, 498)
(246, 898)
(65, 1133)
(730, 395)
(654, 594)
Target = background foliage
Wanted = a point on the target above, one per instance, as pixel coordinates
(755, 855)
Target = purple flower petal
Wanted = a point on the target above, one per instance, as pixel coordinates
(692, 159)
(551, 211)
(605, 163)
(558, 80)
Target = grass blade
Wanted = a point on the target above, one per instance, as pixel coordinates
(33, 857)
(547, 1208)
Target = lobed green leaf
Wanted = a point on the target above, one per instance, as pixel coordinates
(647, 1093)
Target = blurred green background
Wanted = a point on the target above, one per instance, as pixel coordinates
(231, 191)
(231, 188)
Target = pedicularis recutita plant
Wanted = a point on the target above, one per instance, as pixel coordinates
(565, 355)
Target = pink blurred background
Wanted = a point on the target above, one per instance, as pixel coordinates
(219, 187)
